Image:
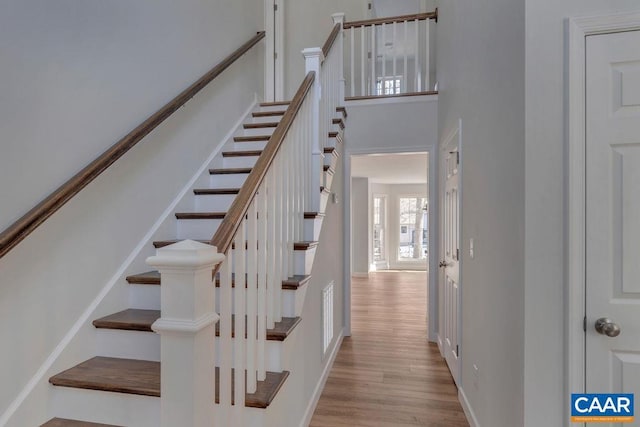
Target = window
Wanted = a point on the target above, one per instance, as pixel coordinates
(388, 85)
(379, 221)
(413, 229)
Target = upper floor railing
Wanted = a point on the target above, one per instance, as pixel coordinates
(390, 56)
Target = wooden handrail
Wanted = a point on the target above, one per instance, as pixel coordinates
(392, 19)
(332, 38)
(20, 229)
(236, 213)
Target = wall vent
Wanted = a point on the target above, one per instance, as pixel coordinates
(327, 316)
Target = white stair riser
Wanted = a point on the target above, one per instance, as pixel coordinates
(240, 162)
(106, 407)
(144, 297)
(303, 261)
(328, 179)
(312, 228)
(331, 160)
(197, 228)
(324, 198)
(258, 131)
(233, 180)
(267, 119)
(128, 344)
(242, 146)
(273, 107)
(213, 202)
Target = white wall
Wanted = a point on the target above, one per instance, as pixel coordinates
(360, 227)
(77, 76)
(481, 74)
(545, 200)
(308, 24)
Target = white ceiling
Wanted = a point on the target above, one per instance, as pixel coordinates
(385, 8)
(410, 168)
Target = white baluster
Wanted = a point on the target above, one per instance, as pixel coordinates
(261, 208)
(226, 345)
(417, 77)
(427, 75)
(252, 297)
(405, 70)
(352, 52)
(271, 242)
(240, 301)
(186, 329)
(395, 57)
(278, 236)
(374, 59)
(363, 61)
(383, 48)
(313, 59)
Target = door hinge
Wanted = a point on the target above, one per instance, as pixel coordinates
(457, 254)
(584, 324)
(457, 350)
(369, 6)
(457, 157)
(275, 7)
(275, 55)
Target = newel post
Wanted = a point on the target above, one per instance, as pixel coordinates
(338, 18)
(313, 60)
(187, 332)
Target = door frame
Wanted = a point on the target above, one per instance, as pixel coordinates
(274, 43)
(434, 238)
(452, 138)
(578, 30)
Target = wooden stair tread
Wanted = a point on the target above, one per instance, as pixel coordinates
(215, 191)
(297, 246)
(293, 283)
(112, 374)
(324, 189)
(153, 278)
(200, 215)
(260, 125)
(63, 422)
(313, 215)
(338, 122)
(142, 377)
(255, 138)
(330, 150)
(242, 153)
(342, 110)
(229, 171)
(134, 319)
(269, 113)
(273, 104)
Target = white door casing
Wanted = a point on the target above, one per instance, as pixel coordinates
(449, 277)
(613, 211)
(274, 50)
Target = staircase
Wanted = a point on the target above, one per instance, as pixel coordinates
(121, 384)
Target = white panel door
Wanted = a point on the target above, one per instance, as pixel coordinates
(449, 289)
(613, 213)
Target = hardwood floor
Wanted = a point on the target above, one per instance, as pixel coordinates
(387, 374)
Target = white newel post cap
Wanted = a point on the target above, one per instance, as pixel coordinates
(338, 18)
(313, 53)
(186, 255)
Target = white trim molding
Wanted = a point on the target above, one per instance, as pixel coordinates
(578, 29)
(466, 407)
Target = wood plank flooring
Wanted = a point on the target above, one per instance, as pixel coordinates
(387, 374)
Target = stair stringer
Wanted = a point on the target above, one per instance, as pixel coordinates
(37, 401)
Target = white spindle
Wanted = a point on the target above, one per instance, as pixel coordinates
(395, 57)
(271, 244)
(252, 297)
(240, 301)
(363, 61)
(226, 344)
(427, 74)
(278, 237)
(383, 48)
(261, 203)
(405, 71)
(417, 77)
(352, 60)
(374, 59)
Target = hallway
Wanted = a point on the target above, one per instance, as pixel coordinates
(386, 374)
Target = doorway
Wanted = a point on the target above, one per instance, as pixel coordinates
(274, 50)
(389, 215)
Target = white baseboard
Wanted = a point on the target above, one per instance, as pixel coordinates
(317, 392)
(466, 407)
(85, 317)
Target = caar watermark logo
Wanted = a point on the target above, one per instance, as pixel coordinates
(590, 408)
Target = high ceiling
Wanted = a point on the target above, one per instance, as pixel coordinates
(410, 168)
